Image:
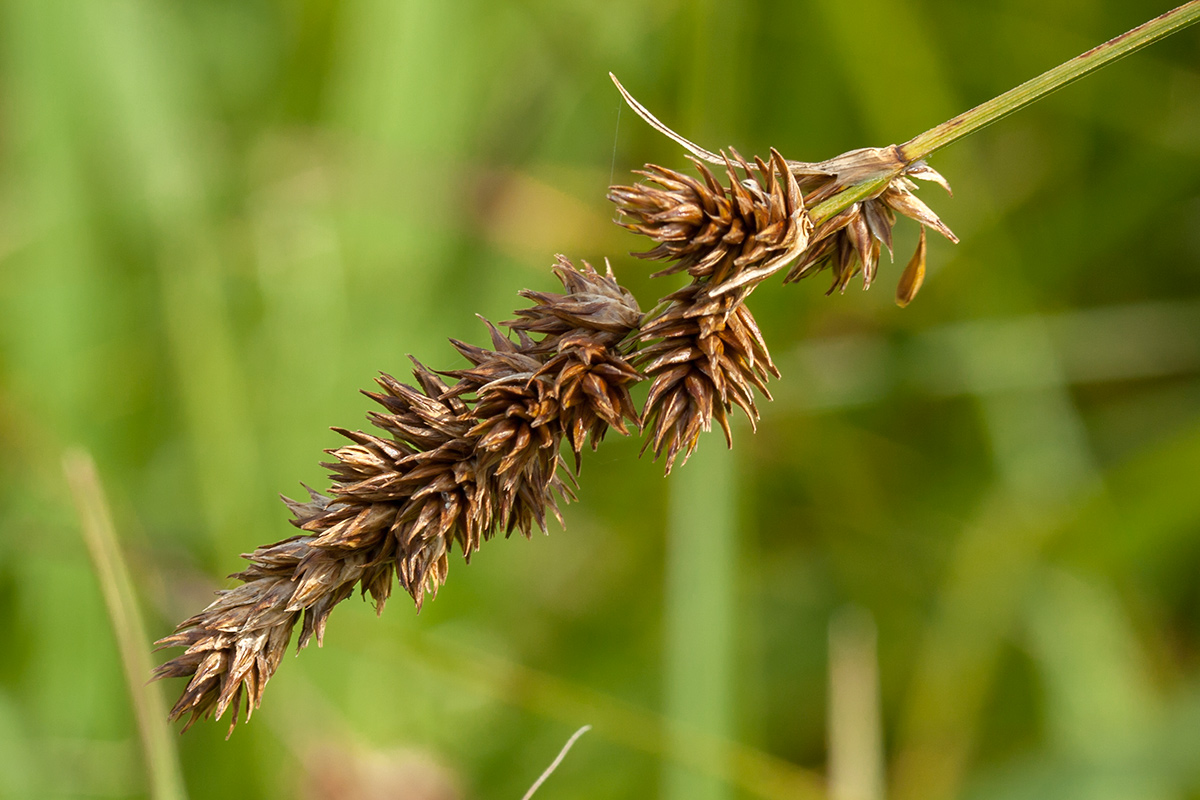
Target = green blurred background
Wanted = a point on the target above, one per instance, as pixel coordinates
(218, 220)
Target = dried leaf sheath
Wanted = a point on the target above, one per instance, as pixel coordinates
(458, 464)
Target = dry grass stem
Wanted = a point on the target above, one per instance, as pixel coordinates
(557, 760)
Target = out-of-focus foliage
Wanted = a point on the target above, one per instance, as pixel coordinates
(219, 219)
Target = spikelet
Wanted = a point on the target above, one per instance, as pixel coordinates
(704, 355)
(733, 236)
(587, 374)
(703, 350)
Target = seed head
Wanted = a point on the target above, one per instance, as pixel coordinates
(734, 235)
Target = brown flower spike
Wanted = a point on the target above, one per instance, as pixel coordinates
(458, 464)
(470, 452)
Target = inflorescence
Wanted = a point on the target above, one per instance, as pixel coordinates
(467, 453)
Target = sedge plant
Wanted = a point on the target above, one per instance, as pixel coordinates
(462, 455)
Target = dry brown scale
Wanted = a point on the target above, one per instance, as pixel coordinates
(459, 464)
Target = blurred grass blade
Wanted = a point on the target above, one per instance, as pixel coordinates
(1102, 705)
(700, 580)
(855, 726)
(151, 99)
(162, 761)
(701, 577)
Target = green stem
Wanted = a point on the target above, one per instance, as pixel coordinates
(112, 573)
(851, 195)
(1014, 100)
(1056, 78)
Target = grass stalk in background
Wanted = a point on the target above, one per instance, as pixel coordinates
(162, 761)
(701, 570)
(856, 761)
(700, 602)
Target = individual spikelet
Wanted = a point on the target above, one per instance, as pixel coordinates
(704, 356)
(852, 240)
(732, 236)
(587, 374)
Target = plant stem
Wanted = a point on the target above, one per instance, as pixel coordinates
(162, 761)
(851, 195)
(1014, 100)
